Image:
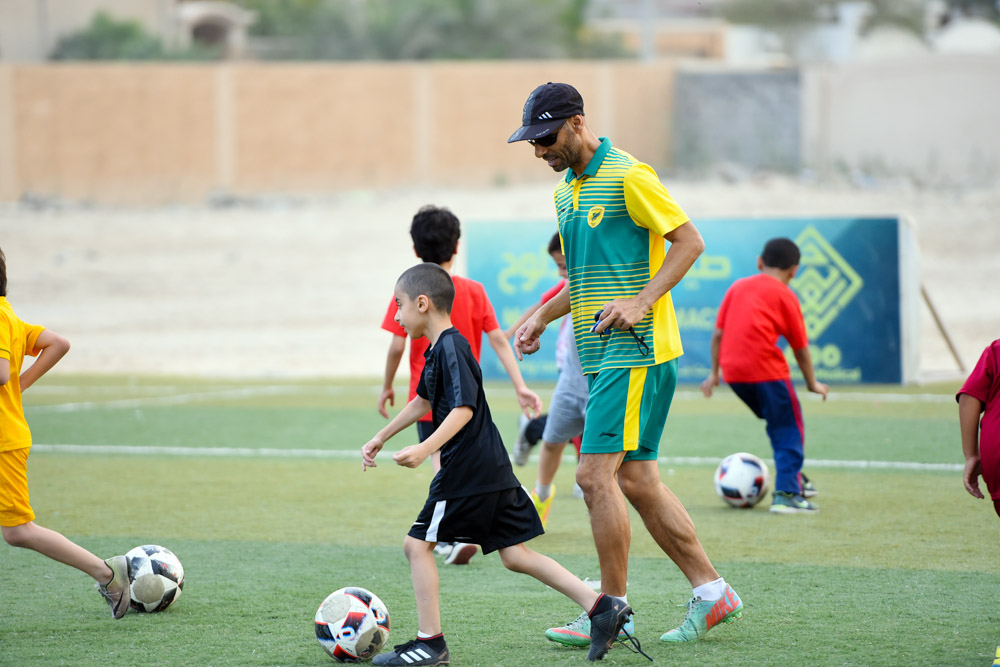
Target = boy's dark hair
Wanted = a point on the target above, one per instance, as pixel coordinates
(780, 253)
(3, 274)
(430, 280)
(435, 232)
(555, 245)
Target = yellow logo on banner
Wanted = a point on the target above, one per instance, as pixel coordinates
(825, 282)
(594, 216)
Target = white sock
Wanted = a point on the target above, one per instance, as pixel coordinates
(542, 490)
(423, 635)
(711, 591)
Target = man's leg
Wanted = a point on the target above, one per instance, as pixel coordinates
(596, 475)
(666, 519)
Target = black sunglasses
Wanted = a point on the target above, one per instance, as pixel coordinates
(640, 341)
(547, 140)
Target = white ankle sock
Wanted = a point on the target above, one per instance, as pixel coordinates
(542, 490)
(713, 590)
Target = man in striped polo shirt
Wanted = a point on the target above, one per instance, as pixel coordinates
(626, 243)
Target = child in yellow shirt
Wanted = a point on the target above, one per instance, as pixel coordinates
(17, 520)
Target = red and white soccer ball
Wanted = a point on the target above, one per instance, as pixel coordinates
(352, 624)
(741, 479)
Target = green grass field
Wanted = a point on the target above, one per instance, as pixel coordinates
(257, 487)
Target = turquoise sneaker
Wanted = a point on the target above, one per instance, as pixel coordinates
(703, 615)
(577, 632)
(788, 503)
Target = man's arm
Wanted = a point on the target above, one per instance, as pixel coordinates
(686, 245)
(52, 347)
(4, 371)
(526, 339)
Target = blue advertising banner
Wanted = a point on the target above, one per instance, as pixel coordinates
(848, 282)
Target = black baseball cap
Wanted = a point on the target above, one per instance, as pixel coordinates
(547, 109)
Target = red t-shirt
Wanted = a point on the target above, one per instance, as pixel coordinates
(471, 313)
(984, 384)
(754, 312)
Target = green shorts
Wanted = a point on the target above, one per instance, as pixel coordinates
(627, 410)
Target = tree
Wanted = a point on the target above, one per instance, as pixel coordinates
(107, 38)
(429, 29)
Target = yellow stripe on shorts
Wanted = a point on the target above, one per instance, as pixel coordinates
(636, 384)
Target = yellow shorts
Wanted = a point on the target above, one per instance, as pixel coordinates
(14, 507)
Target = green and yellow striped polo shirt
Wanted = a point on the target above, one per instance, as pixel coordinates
(612, 220)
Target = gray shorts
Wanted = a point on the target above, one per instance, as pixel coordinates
(566, 415)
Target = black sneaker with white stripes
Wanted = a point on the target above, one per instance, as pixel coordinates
(413, 652)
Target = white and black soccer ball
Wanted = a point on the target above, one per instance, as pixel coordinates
(352, 624)
(741, 479)
(157, 578)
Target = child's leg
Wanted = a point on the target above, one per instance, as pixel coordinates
(548, 462)
(519, 558)
(423, 572)
(785, 429)
(57, 547)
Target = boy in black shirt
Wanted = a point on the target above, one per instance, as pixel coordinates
(475, 496)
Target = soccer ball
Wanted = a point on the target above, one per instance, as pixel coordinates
(157, 578)
(352, 624)
(741, 479)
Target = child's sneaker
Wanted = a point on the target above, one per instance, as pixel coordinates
(460, 554)
(703, 615)
(607, 619)
(577, 632)
(118, 590)
(413, 652)
(808, 488)
(543, 506)
(789, 503)
(521, 446)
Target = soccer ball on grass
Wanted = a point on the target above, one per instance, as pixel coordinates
(157, 578)
(352, 624)
(741, 479)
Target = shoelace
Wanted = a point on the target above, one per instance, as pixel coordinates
(635, 647)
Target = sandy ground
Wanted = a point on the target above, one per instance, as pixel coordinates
(297, 288)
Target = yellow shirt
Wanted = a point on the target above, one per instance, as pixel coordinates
(17, 338)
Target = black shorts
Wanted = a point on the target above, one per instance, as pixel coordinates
(492, 520)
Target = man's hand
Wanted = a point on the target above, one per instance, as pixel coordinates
(709, 384)
(621, 314)
(386, 395)
(410, 457)
(368, 452)
(527, 339)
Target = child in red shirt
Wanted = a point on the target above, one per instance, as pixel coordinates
(435, 232)
(981, 438)
(755, 311)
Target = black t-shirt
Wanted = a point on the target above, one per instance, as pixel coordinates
(475, 460)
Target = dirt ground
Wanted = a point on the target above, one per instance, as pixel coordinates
(279, 287)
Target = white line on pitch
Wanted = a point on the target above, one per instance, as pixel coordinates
(254, 452)
(193, 397)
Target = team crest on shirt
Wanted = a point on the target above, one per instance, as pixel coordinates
(595, 215)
